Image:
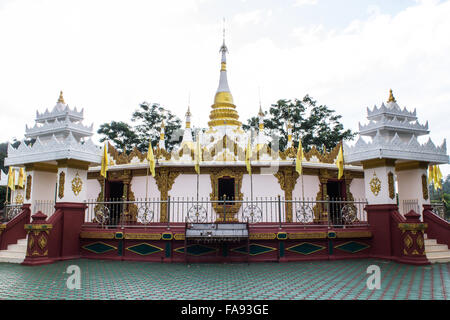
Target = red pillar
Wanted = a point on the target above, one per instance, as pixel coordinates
(72, 220)
(38, 240)
(412, 240)
(380, 221)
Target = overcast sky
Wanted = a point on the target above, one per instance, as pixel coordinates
(109, 56)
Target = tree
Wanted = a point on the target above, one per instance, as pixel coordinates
(120, 134)
(146, 121)
(149, 119)
(317, 125)
(3, 153)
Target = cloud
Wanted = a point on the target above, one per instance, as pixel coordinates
(108, 56)
(299, 3)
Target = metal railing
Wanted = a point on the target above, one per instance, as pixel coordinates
(408, 205)
(275, 210)
(45, 206)
(439, 209)
(10, 211)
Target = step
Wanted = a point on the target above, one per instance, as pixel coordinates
(12, 259)
(439, 254)
(430, 241)
(6, 253)
(439, 260)
(22, 241)
(436, 247)
(12, 251)
(17, 247)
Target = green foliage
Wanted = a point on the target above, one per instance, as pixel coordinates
(3, 153)
(317, 125)
(146, 125)
(149, 119)
(120, 134)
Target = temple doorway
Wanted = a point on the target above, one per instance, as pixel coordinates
(226, 188)
(336, 193)
(114, 196)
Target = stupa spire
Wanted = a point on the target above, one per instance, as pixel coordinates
(223, 112)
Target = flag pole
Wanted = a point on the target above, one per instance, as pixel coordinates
(6, 199)
(146, 184)
(104, 177)
(146, 175)
(251, 175)
(343, 166)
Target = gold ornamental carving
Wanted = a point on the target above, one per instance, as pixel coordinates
(77, 185)
(262, 236)
(230, 210)
(424, 187)
(287, 178)
(42, 242)
(391, 185)
(62, 181)
(375, 185)
(18, 199)
(28, 191)
(165, 180)
(408, 241)
(420, 241)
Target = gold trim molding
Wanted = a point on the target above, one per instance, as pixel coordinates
(61, 182)
(377, 163)
(410, 165)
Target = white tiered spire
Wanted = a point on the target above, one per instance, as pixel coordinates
(394, 135)
(60, 122)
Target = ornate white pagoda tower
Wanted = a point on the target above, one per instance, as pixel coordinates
(395, 149)
(58, 158)
(60, 122)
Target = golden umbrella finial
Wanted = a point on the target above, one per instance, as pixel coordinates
(391, 96)
(61, 98)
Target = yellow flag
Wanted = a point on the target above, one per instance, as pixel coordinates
(11, 179)
(430, 174)
(340, 162)
(300, 156)
(438, 175)
(151, 158)
(248, 156)
(104, 162)
(21, 178)
(198, 155)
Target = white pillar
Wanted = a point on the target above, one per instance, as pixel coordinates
(40, 187)
(412, 186)
(72, 181)
(379, 181)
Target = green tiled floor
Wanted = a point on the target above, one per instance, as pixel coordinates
(268, 281)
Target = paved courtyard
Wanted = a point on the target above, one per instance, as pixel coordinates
(269, 281)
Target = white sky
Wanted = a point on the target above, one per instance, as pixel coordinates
(110, 55)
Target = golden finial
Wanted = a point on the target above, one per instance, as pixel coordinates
(61, 99)
(162, 124)
(391, 96)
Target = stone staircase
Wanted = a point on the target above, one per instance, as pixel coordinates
(435, 252)
(15, 252)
